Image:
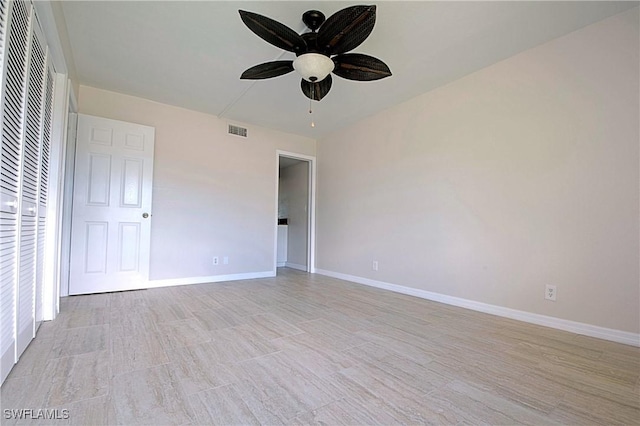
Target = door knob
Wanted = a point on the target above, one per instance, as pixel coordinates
(145, 215)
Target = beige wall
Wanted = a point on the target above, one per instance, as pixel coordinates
(519, 175)
(214, 194)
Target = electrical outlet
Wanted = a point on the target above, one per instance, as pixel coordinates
(374, 266)
(550, 292)
(225, 260)
(215, 260)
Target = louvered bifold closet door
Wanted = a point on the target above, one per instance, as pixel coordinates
(28, 238)
(7, 233)
(4, 4)
(43, 191)
(13, 107)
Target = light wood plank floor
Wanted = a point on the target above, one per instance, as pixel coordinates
(307, 349)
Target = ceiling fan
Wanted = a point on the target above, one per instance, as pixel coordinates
(320, 51)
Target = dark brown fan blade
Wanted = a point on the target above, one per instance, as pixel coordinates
(267, 70)
(318, 90)
(346, 29)
(356, 66)
(274, 32)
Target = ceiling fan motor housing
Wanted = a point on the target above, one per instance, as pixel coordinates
(313, 19)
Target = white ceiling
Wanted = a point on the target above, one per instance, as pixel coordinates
(191, 53)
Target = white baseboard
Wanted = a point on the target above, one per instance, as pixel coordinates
(296, 266)
(209, 279)
(547, 321)
(281, 264)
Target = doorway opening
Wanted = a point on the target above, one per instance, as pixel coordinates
(295, 219)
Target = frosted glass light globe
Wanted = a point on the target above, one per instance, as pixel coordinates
(313, 67)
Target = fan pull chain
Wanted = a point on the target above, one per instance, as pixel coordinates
(310, 99)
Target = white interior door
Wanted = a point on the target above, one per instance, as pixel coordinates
(111, 216)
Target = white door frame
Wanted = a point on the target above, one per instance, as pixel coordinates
(64, 101)
(67, 190)
(64, 96)
(311, 210)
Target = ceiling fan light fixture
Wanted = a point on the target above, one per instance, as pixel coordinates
(321, 52)
(313, 67)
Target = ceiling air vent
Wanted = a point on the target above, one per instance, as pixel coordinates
(237, 130)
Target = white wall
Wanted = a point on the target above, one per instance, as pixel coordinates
(294, 185)
(213, 193)
(520, 175)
